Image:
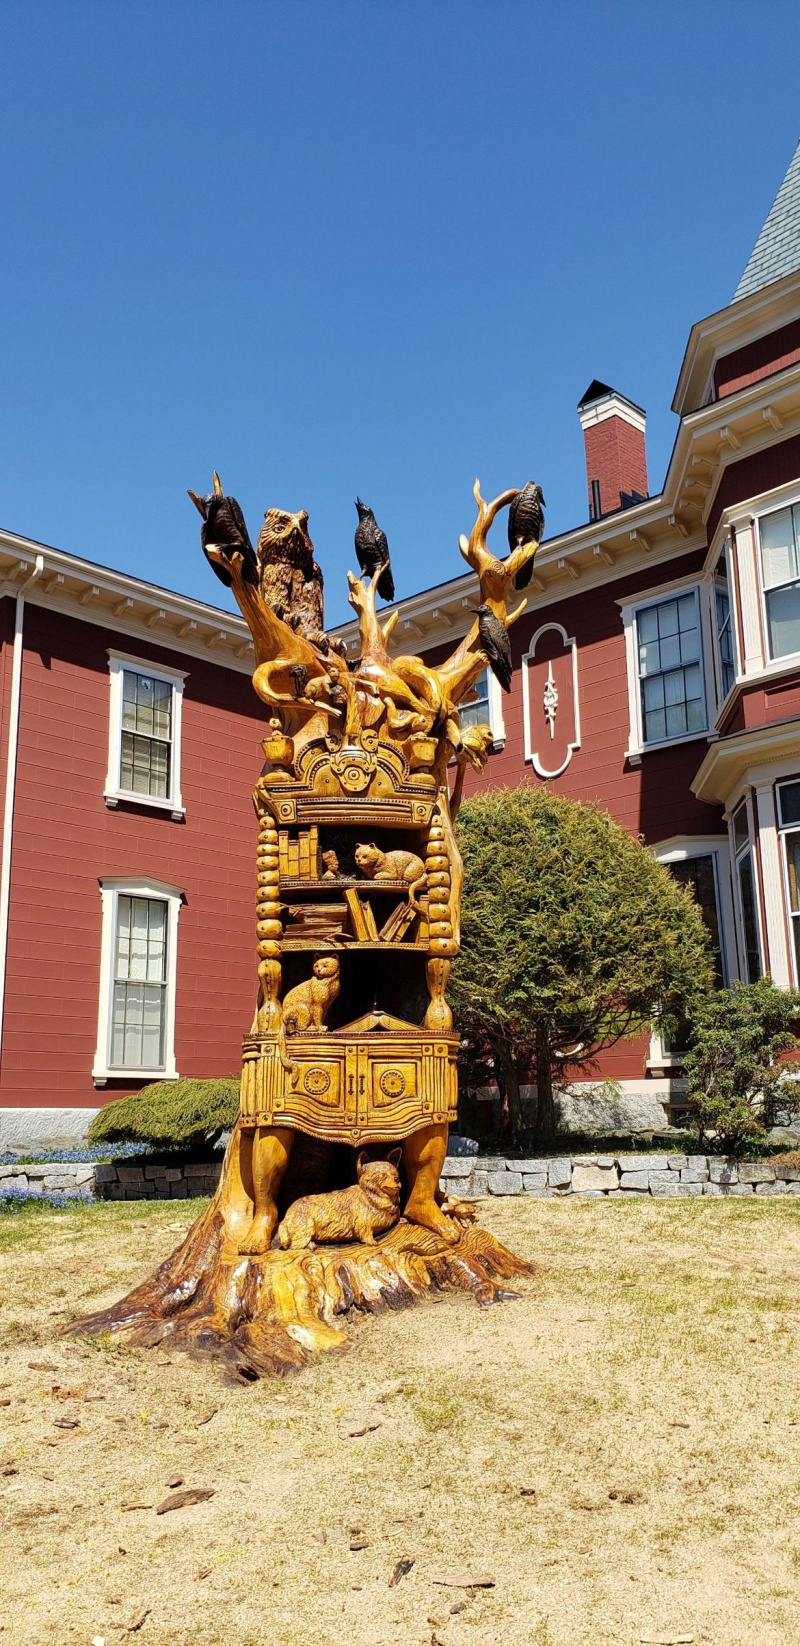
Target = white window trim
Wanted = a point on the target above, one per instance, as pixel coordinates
(630, 610)
(531, 754)
(112, 793)
(111, 889)
(679, 850)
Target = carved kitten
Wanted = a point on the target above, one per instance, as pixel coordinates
(358, 1213)
(306, 1006)
(394, 865)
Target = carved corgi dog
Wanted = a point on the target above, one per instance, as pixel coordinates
(358, 1213)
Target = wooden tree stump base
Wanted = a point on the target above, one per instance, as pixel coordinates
(266, 1316)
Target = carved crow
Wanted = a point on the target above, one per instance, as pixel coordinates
(526, 525)
(372, 549)
(494, 639)
(224, 528)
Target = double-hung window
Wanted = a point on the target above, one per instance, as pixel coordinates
(136, 1028)
(747, 893)
(779, 542)
(670, 668)
(144, 753)
(789, 822)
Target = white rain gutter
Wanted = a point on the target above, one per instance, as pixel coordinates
(11, 777)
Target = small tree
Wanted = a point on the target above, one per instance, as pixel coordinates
(170, 1114)
(573, 937)
(738, 1080)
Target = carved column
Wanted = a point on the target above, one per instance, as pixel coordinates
(268, 925)
(438, 1016)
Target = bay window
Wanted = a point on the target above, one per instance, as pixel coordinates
(779, 545)
(789, 825)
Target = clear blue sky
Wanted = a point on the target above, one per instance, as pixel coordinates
(359, 247)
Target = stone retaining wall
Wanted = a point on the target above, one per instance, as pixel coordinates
(473, 1176)
(469, 1176)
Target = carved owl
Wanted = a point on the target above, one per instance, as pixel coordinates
(291, 580)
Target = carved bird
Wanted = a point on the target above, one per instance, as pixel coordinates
(493, 636)
(372, 548)
(526, 525)
(224, 528)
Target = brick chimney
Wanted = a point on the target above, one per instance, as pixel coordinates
(616, 460)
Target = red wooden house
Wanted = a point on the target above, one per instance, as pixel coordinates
(657, 672)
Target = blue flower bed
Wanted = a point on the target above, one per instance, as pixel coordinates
(13, 1199)
(77, 1157)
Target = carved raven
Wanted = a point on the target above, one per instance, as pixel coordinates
(224, 528)
(372, 549)
(494, 640)
(526, 525)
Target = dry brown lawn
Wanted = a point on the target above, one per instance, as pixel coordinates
(618, 1450)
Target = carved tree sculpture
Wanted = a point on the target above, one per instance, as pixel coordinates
(352, 1040)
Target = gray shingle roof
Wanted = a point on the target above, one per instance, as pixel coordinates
(777, 249)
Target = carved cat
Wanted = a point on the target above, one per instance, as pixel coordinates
(358, 1213)
(394, 865)
(307, 1006)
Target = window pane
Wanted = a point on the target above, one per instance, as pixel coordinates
(655, 725)
(687, 612)
(671, 652)
(783, 616)
(741, 828)
(789, 800)
(667, 618)
(653, 692)
(778, 556)
(144, 766)
(793, 866)
(648, 623)
(477, 713)
(676, 720)
(752, 955)
(698, 874)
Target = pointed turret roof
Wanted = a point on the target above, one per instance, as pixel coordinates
(777, 249)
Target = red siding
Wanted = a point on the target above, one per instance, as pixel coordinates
(653, 799)
(764, 706)
(762, 358)
(761, 472)
(66, 840)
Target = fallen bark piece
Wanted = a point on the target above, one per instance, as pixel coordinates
(351, 1428)
(460, 1606)
(666, 1640)
(138, 1619)
(205, 1571)
(402, 1568)
(177, 1480)
(527, 1491)
(65, 1422)
(627, 1495)
(357, 1543)
(9, 1470)
(5, 1402)
(185, 1499)
(205, 1417)
(464, 1580)
(127, 1508)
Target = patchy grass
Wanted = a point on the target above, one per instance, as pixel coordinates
(643, 1394)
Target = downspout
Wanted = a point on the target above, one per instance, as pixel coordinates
(11, 777)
